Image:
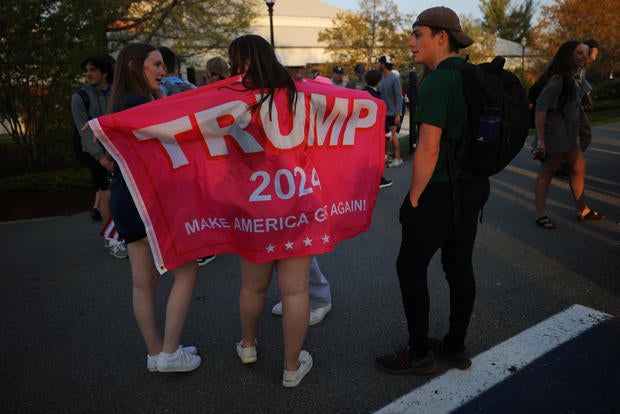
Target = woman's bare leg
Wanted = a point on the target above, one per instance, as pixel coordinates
(293, 277)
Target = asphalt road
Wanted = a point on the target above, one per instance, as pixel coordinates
(70, 344)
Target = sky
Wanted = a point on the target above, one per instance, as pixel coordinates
(467, 7)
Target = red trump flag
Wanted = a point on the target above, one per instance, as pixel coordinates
(208, 176)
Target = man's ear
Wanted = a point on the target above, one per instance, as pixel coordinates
(443, 37)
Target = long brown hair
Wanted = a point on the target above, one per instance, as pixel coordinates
(129, 75)
(263, 72)
(563, 65)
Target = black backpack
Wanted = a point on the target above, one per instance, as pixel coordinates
(497, 120)
(77, 139)
(532, 95)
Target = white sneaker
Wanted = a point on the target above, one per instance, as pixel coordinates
(179, 361)
(396, 162)
(106, 242)
(118, 249)
(318, 314)
(203, 261)
(247, 355)
(293, 378)
(277, 309)
(151, 360)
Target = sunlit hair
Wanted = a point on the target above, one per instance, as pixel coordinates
(129, 75)
(563, 65)
(263, 71)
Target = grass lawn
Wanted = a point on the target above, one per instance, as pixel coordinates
(605, 111)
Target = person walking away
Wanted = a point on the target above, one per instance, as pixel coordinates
(426, 215)
(557, 122)
(586, 105)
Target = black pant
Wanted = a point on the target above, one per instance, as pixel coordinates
(97, 172)
(425, 229)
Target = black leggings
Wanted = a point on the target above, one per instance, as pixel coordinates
(425, 229)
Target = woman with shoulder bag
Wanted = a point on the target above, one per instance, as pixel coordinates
(557, 124)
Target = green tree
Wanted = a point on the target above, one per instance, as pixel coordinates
(377, 29)
(494, 15)
(190, 27)
(508, 21)
(42, 43)
(573, 19)
(484, 42)
(519, 22)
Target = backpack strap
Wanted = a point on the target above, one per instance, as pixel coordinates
(85, 99)
(454, 182)
(451, 153)
(76, 139)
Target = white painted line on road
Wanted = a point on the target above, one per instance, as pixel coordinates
(454, 388)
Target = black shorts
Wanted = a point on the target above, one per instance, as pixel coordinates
(127, 220)
(97, 172)
(391, 121)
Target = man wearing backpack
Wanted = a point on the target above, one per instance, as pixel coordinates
(427, 214)
(172, 83)
(90, 102)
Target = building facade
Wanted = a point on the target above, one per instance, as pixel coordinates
(296, 27)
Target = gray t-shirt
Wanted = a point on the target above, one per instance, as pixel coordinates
(561, 127)
(391, 93)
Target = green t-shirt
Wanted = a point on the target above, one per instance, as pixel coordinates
(441, 103)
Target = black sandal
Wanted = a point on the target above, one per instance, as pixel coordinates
(592, 215)
(545, 222)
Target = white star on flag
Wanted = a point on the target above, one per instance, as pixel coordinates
(325, 239)
(289, 245)
(270, 248)
(307, 241)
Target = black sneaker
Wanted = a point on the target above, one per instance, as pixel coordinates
(406, 362)
(459, 359)
(385, 183)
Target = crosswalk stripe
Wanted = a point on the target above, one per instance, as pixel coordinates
(454, 388)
